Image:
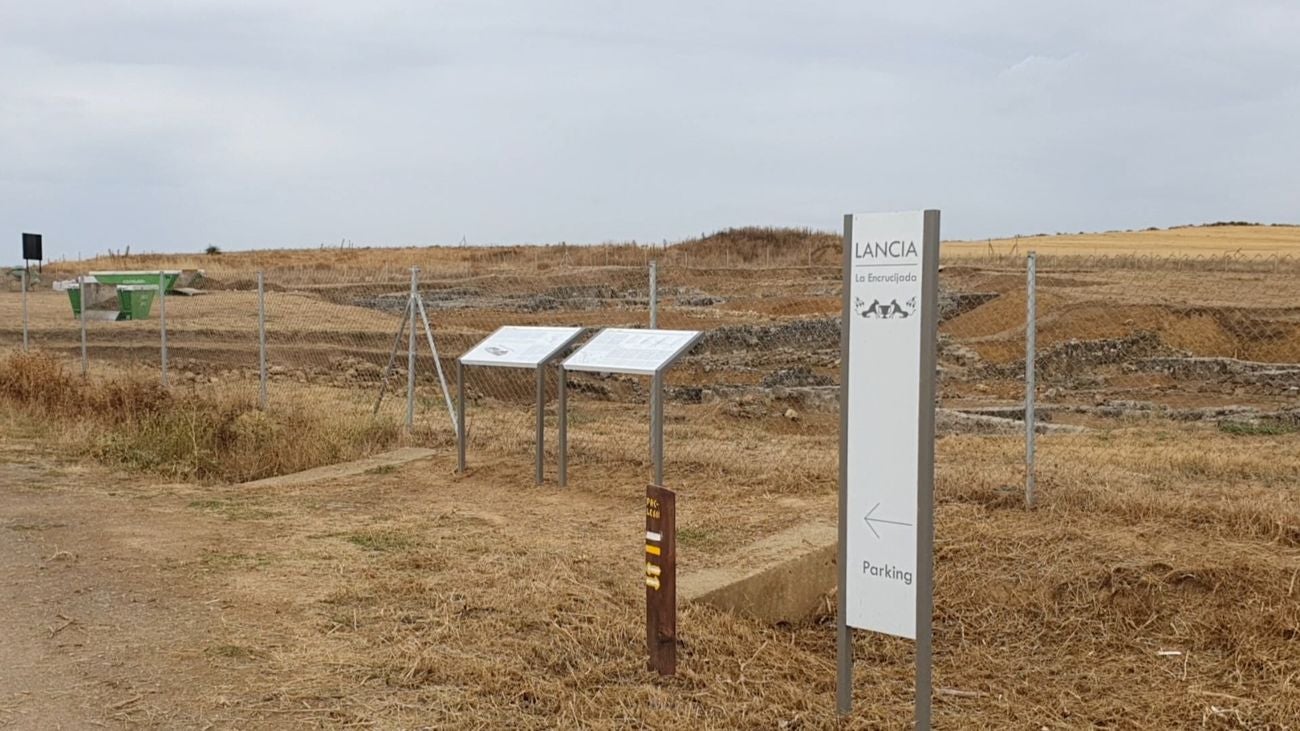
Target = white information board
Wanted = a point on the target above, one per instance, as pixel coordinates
(625, 350)
(520, 347)
(884, 382)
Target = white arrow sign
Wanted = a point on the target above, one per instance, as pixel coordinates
(885, 316)
(869, 520)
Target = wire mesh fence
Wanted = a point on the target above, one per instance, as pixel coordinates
(1151, 370)
(1200, 346)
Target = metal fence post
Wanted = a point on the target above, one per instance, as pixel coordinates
(162, 320)
(654, 294)
(410, 355)
(261, 340)
(1031, 333)
(25, 336)
(81, 296)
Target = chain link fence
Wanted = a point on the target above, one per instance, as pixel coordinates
(1163, 380)
(1196, 345)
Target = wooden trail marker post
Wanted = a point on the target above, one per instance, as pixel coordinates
(661, 578)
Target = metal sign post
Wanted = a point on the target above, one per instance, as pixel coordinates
(25, 336)
(518, 347)
(661, 578)
(886, 520)
(639, 353)
(657, 426)
(32, 245)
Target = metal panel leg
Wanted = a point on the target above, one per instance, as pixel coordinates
(460, 417)
(562, 419)
(657, 428)
(541, 423)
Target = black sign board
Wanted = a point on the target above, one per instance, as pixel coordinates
(32, 247)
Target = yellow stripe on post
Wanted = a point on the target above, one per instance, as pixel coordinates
(661, 578)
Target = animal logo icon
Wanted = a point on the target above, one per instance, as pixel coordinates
(886, 310)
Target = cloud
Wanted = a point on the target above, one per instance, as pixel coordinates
(276, 123)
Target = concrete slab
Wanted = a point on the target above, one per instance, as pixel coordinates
(346, 469)
(783, 578)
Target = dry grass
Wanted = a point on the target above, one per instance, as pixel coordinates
(409, 597)
(415, 598)
(182, 434)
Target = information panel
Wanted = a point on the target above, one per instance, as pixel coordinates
(884, 476)
(638, 352)
(520, 347)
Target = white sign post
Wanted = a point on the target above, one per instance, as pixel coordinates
(635, 352)
(630, 350)
(516, 347)
(887, 373)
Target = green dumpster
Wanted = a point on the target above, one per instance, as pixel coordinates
(134, 297)
(135, 300)
(118, 279)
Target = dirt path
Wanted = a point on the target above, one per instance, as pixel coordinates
(135, 604)
(106, 621)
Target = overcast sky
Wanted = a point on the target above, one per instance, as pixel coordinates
(256, 123)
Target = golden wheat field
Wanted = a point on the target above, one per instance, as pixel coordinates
(155, 583)
(1203, 241)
